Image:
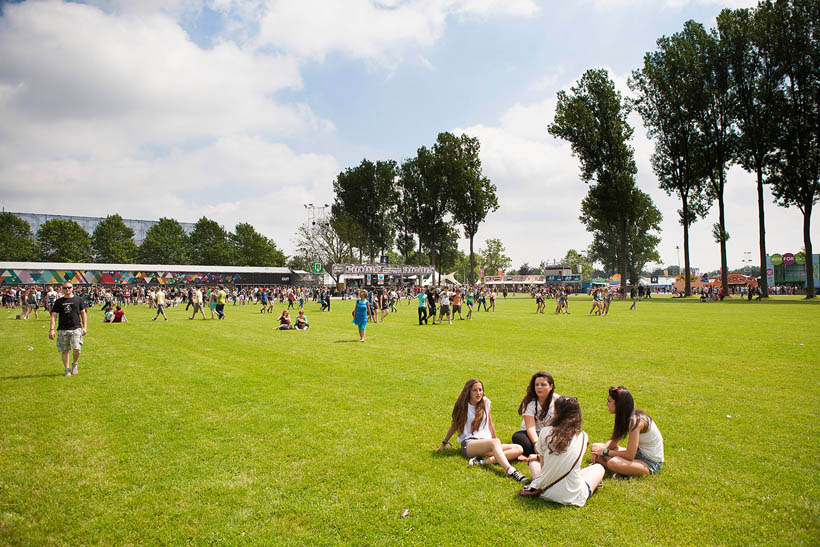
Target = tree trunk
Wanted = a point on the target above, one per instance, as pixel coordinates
(764, 278)
(807, 243)
(724, 268)
(687, 291)
(472, 262)
(622, 258)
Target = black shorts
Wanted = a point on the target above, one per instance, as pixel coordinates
(457, 308)
(445, 310)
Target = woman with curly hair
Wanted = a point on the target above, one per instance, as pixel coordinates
(536, 410)
(561, 445)
(476, 432)
(643, 454)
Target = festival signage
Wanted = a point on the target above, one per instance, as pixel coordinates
(800, 258)
(788, 259)
(777, 259)
(385, 269)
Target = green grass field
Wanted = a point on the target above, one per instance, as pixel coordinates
(231, 432)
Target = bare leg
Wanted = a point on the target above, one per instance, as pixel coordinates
(501, 453)
(627, 467)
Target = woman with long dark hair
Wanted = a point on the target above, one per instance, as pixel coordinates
(536, 411)
(476, 432)
(561, 444)
(643, 454)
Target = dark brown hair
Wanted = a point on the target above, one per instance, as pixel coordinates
(566, 424)
(627, 416)
(460, 408)
(531, 395)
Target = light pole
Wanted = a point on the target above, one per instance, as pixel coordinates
(677, 248)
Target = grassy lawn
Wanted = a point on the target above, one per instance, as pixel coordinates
(232, 432)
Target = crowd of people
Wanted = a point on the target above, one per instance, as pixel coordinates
(552, 441)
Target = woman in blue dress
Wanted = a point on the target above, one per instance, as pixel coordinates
(360, 314)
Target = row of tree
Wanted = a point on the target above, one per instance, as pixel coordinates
(746, 93)
(412, 207)
(64, 240)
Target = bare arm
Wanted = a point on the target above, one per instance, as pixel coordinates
(84, 316)
(490, 423)
(51, 327)
(447, 436)
(529, 423)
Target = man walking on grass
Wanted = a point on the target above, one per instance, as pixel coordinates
(160, 301)
(70, 310)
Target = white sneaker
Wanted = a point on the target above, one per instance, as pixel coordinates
(74, 369)
(68, 372)
(474, 461)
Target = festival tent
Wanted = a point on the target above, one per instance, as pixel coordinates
(448, 279)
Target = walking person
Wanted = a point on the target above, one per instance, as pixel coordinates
(422, 297)
(72, 324)
(159, 299)
(221, 299)
(634, 294)
(360, 314)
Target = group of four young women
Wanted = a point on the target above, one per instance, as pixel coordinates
(552, 442)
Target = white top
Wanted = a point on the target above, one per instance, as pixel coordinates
(483, 431)
(445, 298)
(572, 489)
(533, 409)
(651, 443)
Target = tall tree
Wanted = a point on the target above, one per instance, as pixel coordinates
(428, 193)
(493, 257)
(642, 219)
(17, 243)
(747, 37)
(250, 248)
(795, 171)
(592, 118)
(165, 243)
(667, 87)
(473, 194)
(716, 111)
(367, 194)
(210, 245)
(64, 241)
(113, 241)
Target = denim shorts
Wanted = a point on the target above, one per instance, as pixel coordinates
(654, 467)
(464, 444)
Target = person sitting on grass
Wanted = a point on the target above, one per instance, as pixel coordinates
(119, 316)
(561, 444)
(536, 409)
(301, 321)
(285, 321)
(643, 454)
(476, 432)
(108, 317)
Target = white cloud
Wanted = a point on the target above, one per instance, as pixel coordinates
(607, 5)
(381, 32)
(119, 111)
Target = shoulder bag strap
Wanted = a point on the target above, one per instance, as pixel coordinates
(553, 483)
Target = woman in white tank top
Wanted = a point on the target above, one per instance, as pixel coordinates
(476, 432)
(643, 454)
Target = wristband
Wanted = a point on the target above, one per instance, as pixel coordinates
(445, 441)
(606, 451)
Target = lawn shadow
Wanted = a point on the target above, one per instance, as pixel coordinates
(344, 341)
(54, 375)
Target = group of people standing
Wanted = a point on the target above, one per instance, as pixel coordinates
(449, 302)
(552, 442)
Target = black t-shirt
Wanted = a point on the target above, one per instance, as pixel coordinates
(68, 311)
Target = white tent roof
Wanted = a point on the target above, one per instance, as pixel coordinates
(448, 279)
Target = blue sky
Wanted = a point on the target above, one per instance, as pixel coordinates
(245, 110)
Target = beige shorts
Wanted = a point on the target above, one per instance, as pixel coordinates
(69, 339)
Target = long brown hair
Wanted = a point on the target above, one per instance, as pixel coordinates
(532, 396)
(460, 408)
(566, 424)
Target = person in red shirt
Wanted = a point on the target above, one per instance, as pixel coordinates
(119, 316)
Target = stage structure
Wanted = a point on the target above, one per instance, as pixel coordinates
(379, 274)
(45, 273)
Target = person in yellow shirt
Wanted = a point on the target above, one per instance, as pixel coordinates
(221, 299)
(159, 298)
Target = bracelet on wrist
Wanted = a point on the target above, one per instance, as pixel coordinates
(606, 451)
